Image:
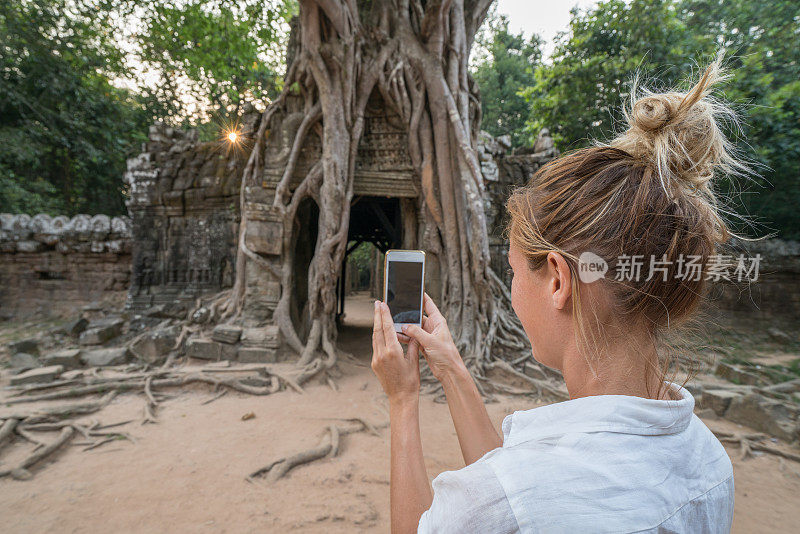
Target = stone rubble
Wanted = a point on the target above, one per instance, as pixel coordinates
(28, 346)
(22, 361)
(105, 357)
(68, 358)
(99, 332)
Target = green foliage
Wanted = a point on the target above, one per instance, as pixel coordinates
(67, 127)
(361, 261)
(215, 52)
(505, 67)
(65, 130)
(579, 95)
(765, 59)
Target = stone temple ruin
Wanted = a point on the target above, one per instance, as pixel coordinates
(58, 264)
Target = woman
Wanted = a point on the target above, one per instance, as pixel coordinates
(625, 453)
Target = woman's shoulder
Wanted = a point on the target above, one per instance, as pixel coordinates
(470, 499)
(478, 470)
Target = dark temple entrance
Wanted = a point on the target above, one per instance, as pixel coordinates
(376, 221)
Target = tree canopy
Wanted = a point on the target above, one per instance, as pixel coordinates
(212, 52)
(81, 81)
(64, 128)
(505, 64)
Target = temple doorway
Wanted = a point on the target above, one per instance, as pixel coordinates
(377, 224)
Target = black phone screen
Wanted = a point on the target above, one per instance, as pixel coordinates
(404, 291)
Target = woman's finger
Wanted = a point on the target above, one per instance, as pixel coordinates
(377, 328)
(421, 336)
(389, 335)
(402, 338)
(413, 351)
(430, 307)
(374, 342)
(427, 324)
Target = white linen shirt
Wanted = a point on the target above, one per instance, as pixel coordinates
(604, 463)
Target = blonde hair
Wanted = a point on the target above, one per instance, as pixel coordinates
(648, 192)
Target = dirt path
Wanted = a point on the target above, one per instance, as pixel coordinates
(187, 473)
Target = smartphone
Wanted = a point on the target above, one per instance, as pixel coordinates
(404, 286)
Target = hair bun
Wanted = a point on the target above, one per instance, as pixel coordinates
(651, 113)
(678, 134)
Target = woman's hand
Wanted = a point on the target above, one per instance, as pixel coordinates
(436, 341)
(397, 372)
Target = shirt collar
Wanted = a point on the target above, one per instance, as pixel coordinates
(601, 413)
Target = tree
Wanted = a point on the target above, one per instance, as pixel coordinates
(578, 96)
(416, 54)
(64, 128)
(213, 52)
(505, 68)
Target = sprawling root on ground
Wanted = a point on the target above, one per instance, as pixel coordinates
(753, 442)
(48, 420)
(258, 379)
(24, 423)
(328, 447)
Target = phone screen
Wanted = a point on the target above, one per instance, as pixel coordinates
(404, 291)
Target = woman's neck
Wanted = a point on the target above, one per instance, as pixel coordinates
(624, 368)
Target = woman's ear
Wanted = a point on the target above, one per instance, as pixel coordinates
(560, 279)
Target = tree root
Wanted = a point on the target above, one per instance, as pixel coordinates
(98, 443)
(751, 442)
(22, 390)
(21, 472)
(152, 380)
(51, 413)
(328, 447)
(7, 430)
(66, 429)
(215, 397)
(151, 404)
(60, 418)
(27, 436)
(119, 386)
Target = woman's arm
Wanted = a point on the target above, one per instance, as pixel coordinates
(409, 491)
(475, 431)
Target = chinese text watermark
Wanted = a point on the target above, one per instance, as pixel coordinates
(635, 268)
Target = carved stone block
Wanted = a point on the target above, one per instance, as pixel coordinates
(264, 237)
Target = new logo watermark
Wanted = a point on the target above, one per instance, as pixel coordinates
(591, 267)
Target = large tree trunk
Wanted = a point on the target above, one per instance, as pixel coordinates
(415, 53)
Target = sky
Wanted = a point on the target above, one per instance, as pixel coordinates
(544, 17)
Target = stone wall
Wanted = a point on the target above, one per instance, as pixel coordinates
(56, 264)
(776, 292)
(184, 205)
(501, 173)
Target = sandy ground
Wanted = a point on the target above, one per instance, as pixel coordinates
(187, 473)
